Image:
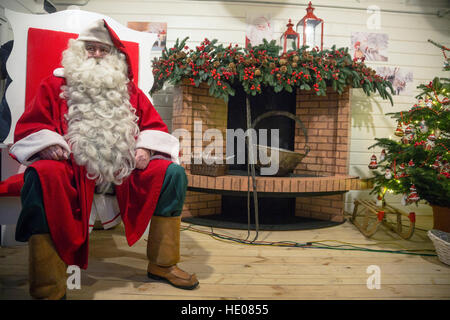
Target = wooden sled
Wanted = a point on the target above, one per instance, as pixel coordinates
(367, 217)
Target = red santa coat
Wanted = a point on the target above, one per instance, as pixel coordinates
(67, 192)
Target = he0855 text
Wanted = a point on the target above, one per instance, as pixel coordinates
(246, 309)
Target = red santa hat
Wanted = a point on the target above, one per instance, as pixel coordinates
(96, 32)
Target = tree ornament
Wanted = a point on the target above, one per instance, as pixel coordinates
(437, 132)
(445, 170)
(402, 170)
(411, 163)
(445, 166)
(409, 135)
(428, 103)
(380, 200)
(399, 131)
(421, 103)
(388, 174)
(430, 142)
(423, 126)
(408, 138)
(413, 196)
(436, 165)
(383, 155)
(373, 162)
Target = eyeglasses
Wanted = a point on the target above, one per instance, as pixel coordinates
(92, 48)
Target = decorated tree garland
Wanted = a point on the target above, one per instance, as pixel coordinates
(261, 66)
(418, 164)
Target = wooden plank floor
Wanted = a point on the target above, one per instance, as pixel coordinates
(230, 270)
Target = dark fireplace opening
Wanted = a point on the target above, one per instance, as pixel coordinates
(267, 101)
(271, 211)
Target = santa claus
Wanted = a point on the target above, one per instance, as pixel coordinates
(257, 31)
(90, 128)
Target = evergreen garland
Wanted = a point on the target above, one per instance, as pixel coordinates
(260, 66)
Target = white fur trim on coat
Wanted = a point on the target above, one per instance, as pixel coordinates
(161, 142)
(27, 147)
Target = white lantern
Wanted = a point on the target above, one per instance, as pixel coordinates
(310, 29)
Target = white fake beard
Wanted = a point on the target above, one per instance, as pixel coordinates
(102, 127)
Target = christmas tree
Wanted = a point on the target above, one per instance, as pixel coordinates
(417, 163)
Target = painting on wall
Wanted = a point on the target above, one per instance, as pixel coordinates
(400, 78)
(159, 28)
(370, 46)
(259, 27)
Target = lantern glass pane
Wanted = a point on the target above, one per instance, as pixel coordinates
(299, 27)
(291, 42)
(313, 31)
(318, 36)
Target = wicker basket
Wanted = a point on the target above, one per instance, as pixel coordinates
(441, 241)
(212, 170)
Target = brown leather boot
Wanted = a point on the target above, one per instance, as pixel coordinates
(163, 252)
(47, 272)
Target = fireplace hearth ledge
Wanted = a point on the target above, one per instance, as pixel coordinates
(286, 186)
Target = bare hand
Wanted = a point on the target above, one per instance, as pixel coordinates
(54, 152)
(142, 158)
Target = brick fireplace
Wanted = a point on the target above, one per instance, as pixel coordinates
(321, 179)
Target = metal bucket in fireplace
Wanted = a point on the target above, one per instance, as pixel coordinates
(287, 160)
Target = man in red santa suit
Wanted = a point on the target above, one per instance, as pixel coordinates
(90, 128)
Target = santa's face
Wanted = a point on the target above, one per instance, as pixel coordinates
(262, 26)
(97, 50)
